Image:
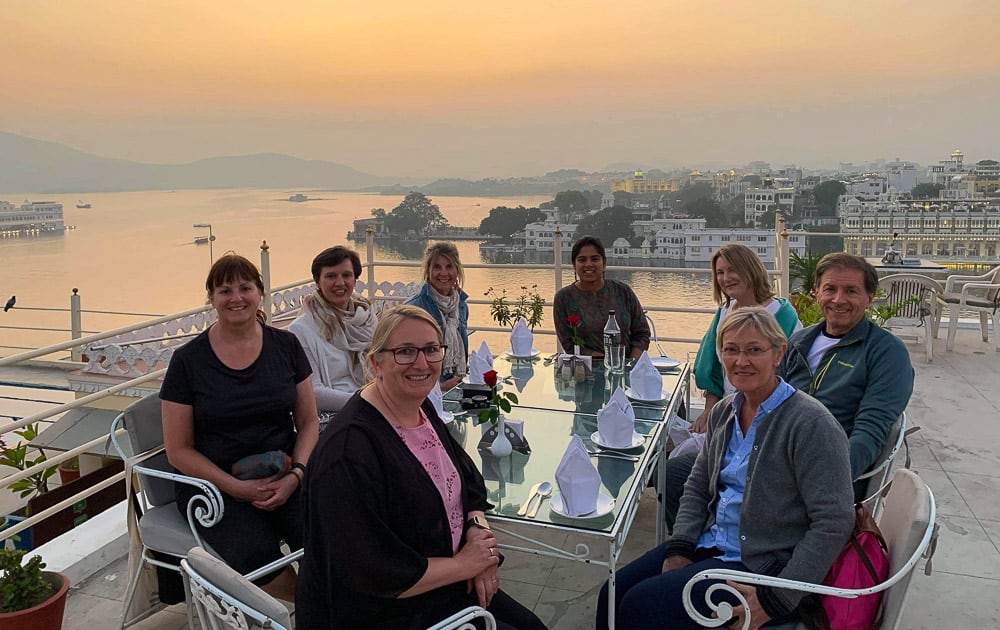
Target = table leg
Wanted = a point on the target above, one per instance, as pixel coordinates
(612, 557)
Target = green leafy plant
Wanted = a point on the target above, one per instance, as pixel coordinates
(17, 457)
(802, 270)
(497, 401)
(529, 304)
(808, 308)
(22, 586)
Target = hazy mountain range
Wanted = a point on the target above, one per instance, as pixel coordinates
(29, 165)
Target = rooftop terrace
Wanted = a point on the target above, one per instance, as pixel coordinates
(957, 452)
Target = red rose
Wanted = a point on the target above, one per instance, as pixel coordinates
(574, 320)
(490, 378)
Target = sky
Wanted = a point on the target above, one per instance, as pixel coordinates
(473, 89)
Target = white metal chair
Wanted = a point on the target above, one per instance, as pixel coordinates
(973, 293)
(462, 620)
(225, 599)
(880, 472)
(916, 300)
(907, 523)
(161, 526)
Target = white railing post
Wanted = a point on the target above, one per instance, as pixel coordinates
(781, 256)
(75, 323)
(265, 272)
(370, 258)
(557, 256)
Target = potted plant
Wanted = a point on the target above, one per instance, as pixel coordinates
(30, 598)
(37, 484)
(529, 305)
(69, 470)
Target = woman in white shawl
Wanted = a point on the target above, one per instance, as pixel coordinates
(335, 328)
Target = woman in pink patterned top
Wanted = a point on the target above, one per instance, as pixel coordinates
(395, 527)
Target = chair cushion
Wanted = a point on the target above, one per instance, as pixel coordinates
(162, 528)
(972, 301)
(226, 579)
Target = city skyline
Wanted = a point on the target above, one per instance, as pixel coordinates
(446, 89)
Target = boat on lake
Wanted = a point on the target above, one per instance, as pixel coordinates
(80, 204)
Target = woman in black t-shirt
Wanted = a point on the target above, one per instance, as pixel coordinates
(242, 388)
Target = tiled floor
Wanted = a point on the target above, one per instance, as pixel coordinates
(956, 402)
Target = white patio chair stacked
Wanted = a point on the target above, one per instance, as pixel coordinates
(161, 526)
(980, 294)
(907, 523)
(916, 300)
(225, 599)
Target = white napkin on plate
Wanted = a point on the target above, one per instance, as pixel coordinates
(646, 380)
(521, 338)
(437, 399)
(616, 421)
(480, 362)
(578, 481)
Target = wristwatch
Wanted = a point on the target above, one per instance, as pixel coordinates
(478, 521)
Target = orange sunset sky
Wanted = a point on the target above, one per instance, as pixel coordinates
(475, 89)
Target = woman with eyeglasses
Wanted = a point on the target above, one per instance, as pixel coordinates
(395, 527)
(769, 493)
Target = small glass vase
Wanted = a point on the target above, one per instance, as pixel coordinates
(501, 446)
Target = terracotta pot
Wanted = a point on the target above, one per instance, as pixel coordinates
(67, 475)
(46, 616)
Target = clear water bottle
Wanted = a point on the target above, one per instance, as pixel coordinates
(614, 351)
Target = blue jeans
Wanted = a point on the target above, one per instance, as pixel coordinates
(645, 597)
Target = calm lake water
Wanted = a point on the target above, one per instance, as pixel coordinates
(135, 252)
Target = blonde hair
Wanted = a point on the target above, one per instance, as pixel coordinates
(746, 263)
(449, 251)
(388, 321)
(756, 317)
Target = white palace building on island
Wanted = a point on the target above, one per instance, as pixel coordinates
(658, 235)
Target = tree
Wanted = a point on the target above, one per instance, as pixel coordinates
(504, 221)
(827, 194)
(926, 191)
(693, 192)
(766, 220)
(708, 209)
(572, 205)
(608, 224)
(416, 213)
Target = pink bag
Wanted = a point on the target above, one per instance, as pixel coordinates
(862, 563)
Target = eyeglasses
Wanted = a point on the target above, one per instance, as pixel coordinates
(731, 352)
(405, 355)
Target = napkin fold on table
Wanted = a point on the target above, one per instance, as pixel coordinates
(616, 421)
(578, 481)
(480, 362)
(521, 338)
(646, 380)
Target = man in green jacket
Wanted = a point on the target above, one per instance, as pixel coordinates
(859, 371)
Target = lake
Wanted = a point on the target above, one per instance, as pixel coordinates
(135, 252)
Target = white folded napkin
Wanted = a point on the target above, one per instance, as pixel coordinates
(521, 338)
(437, 399)
(578, 481)
(646, 380)
(480, 362)
(616, 421)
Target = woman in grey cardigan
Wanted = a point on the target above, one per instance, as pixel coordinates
(770, 493)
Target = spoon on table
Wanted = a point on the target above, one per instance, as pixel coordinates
(531, 497)
(544, 491)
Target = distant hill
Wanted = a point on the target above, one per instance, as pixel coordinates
(33, 165)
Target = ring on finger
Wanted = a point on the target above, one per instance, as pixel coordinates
(491, 552)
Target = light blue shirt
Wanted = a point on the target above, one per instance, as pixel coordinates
(725, 532)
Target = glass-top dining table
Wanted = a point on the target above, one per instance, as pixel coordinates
(553, 409)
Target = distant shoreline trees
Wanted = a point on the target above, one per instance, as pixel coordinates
(416, 213)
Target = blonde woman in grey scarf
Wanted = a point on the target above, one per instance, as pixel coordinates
(335, 328)
(442, 296)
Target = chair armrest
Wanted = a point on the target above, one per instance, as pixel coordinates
(953, 280)
(280, 563)
(976, 285)
(206, 508)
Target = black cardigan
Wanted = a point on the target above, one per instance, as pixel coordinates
(372, 518)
